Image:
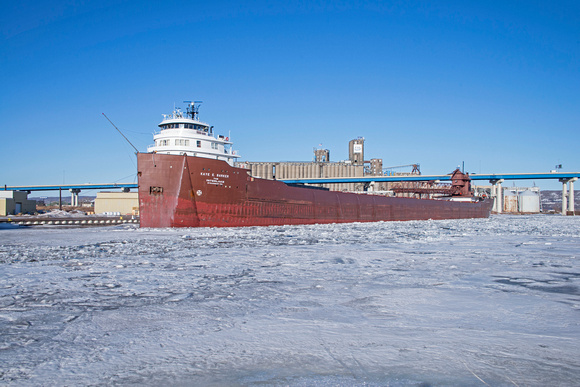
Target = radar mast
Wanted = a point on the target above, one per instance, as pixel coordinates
(192, 109)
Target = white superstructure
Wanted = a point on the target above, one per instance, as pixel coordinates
(185, 134)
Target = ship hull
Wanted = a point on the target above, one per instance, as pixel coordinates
(185, 191)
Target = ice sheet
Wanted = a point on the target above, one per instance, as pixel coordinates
(459, 302)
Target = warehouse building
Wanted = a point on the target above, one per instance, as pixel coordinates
(322, 167)
(16, 202)
(123, 203)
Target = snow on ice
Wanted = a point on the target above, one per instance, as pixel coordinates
(457, 302)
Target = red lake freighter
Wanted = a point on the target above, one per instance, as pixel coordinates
(189, 178)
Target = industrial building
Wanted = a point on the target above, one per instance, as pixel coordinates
(322, 167)
(123, 203)
(16, 202)
(521, 200)
(515, 200)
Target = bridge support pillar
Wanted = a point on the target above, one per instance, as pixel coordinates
(497, 194)
(568, 196)
(571, 196)
(564, 198)
(74, 197)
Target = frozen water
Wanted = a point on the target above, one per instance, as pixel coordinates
(459, 302)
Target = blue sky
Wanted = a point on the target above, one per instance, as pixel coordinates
(493, 84)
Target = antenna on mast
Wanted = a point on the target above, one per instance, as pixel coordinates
(192, 110)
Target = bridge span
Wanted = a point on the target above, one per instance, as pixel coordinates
(566, 178)
(74, 189)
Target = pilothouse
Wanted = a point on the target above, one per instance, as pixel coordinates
(184, 134)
